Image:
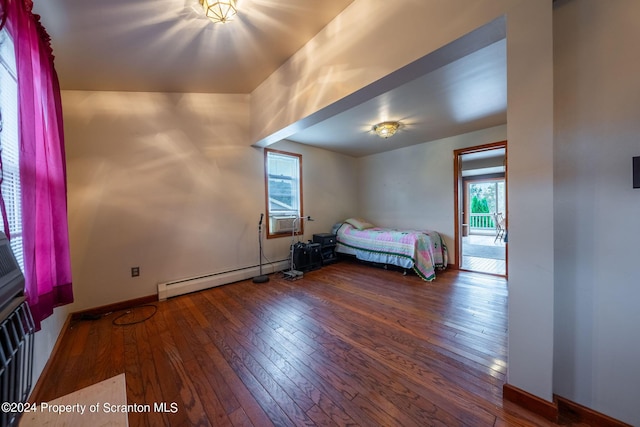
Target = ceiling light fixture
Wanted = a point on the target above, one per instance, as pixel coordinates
(386, 129)
(219, 11)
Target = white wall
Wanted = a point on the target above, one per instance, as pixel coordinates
(165, 182)
(413, 187)
(597, 221)
(45, 339)
(170, 183)
(489, 162)
(530, 177)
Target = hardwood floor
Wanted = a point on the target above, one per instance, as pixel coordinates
(484, 265)
(349, 344)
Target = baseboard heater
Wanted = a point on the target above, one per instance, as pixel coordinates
(16, 362)
(199, 283)
(16, 338)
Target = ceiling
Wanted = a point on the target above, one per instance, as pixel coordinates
(169, 46)
(463, 96)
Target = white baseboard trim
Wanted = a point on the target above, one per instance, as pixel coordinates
(194, 284)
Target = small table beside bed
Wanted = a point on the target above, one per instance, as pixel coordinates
(423, 251)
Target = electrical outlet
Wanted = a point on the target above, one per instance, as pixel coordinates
(135, 271)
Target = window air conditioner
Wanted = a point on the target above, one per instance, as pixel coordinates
(282, 224)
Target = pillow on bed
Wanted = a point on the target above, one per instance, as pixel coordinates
(359, 223)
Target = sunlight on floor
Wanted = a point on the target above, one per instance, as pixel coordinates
(488, 263)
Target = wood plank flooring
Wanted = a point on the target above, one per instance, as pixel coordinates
(480, 264)
(484, 265)
(349, 344)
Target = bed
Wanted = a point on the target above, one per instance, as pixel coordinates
(423, 251)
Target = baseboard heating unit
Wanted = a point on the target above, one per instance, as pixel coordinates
(16, 362)
(16, 338)
(194, 284)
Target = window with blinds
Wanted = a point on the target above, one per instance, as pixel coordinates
(9, 148)
(283, 173)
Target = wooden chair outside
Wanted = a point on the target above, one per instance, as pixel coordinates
(501, 226)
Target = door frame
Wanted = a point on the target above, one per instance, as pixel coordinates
(458, 192)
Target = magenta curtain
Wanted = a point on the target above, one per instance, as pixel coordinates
(42, 164)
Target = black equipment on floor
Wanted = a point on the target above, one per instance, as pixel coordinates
(307, 256)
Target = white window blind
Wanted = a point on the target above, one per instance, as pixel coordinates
(9, 143)
(284, 188)
(284, 192)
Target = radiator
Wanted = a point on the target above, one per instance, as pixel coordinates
(194, 284)
(16, 362)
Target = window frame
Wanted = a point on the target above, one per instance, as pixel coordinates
(300, 225)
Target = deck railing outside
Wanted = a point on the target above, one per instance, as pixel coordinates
(481, 221)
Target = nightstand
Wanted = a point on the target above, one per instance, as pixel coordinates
(327, 243)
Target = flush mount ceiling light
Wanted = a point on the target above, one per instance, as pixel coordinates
(219, 11)
(386, 129)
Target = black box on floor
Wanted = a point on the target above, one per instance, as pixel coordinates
(315, 256)
(307, 256)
